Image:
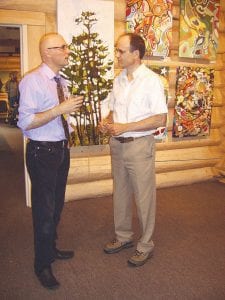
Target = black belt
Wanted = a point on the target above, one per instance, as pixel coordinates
(122, 139)
(58, 144)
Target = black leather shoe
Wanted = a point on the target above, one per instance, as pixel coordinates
(63, 254)
(47, 279)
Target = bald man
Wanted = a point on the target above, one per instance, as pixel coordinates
(47, 152)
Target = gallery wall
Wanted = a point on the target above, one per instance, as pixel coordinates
(180, 161)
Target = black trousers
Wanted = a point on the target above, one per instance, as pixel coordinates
(48, 166)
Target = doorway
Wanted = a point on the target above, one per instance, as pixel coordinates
(12, 63)
(10, 72)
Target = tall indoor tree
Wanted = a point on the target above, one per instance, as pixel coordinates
(89, 73)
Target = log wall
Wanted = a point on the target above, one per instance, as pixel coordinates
(177, 162)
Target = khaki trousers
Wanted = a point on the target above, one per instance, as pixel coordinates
(133, 170)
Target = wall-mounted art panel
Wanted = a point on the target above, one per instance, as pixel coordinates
(152, 19)
(194, 99)
(88, 27)
(199, 21)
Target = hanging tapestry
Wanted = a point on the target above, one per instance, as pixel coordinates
(194, 98)
(163, 72)
(152, 19)
(199, 22)
(88, 28)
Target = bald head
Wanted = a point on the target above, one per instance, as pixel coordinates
(49, 40)
(54, 51)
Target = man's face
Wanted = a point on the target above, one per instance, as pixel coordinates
(58, 51)
(123, 54)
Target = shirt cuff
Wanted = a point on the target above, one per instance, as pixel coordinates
(25, 122)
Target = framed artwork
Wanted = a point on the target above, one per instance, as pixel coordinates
(152, 19)
(88, 27)
(199, 22)
(194, 99)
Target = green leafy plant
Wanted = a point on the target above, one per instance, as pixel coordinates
(89, 74)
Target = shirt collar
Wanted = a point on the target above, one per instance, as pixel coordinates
(139, 70)
(48, 72)
(136, 73)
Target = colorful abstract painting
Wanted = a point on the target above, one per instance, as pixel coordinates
(199, 22)
(152, 19)
(194, 99)
(163, 72)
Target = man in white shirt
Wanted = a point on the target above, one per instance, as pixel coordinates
(137, 107)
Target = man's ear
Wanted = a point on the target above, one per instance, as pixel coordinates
(136, 53)
(47, 53)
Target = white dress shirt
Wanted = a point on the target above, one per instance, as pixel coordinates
(138, 99)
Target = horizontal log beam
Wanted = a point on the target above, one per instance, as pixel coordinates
(99, 168)
(87, 190)
(185, 177)
(100, 188)
(103, 150)
(11, 16)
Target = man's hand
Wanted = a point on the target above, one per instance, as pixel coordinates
(66, 107)
(103, 126)
(71, 105)
(116, 128)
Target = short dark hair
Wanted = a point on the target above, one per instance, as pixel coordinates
(136, 43)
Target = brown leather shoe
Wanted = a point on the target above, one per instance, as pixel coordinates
(47, 279)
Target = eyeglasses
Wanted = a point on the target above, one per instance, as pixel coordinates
(120, 51)
(63, 47)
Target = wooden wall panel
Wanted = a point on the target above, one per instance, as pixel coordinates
(222, 5)
(120, 10)
(119, 29)
(89, 189)
(22, 17)
(99, 188)
(51, 23)
(47, 6)
(222, 22)
(184, 177)
(96, 168)
(221, 48)
(34, 58)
